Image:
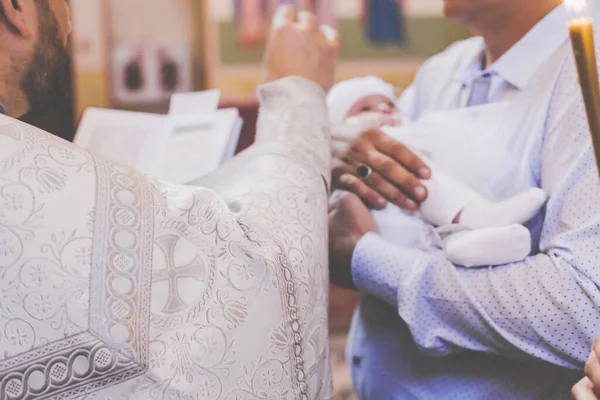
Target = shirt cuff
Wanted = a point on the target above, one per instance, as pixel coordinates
(378, 266)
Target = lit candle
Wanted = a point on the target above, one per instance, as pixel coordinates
(582, 39)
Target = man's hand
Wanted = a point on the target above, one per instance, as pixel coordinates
(589, 387)
(396, 170)
(584, 390)
(297, 46)
(349, 221)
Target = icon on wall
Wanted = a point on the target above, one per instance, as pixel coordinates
(149, 73)
(169, 71)
(385, 22)
(253, 17)
(134, 72)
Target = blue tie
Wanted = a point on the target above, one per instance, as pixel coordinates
(480, 90)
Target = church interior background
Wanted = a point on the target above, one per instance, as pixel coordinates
(133, 54)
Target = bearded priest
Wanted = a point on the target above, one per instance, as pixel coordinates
(114, 285)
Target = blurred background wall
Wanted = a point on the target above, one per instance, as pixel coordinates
(201, 43)
(203, 39)
(236, 70)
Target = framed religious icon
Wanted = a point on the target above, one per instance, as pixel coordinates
(135, 66)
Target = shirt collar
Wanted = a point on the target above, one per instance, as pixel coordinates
(3, 108)
(520, 63)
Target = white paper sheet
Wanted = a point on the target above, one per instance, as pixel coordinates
(178, 148)
(195, 150)
(234, 139)
(124, 136)
(195, 102)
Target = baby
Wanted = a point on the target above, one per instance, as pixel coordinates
(482, 232)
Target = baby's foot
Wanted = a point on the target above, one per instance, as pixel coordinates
(493, 246)
(517, 210)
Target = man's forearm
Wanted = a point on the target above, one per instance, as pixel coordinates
(538, 308)
(376, 266)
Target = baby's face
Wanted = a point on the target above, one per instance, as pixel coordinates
(375, 111)
(375, 104)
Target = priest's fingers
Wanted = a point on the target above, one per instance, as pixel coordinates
(332, 36)
(583, 390)
(307, 20)
(285, 14)
(299, 48)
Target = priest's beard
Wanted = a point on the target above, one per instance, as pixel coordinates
(46, 81)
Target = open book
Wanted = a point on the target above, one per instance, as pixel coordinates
(191, 141)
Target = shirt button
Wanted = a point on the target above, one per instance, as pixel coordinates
(356, 361)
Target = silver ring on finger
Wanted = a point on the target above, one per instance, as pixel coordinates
(363, 171)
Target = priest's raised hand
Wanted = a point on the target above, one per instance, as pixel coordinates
(114, 285)
(298, 46)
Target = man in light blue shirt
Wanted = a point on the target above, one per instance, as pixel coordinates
(427, 329)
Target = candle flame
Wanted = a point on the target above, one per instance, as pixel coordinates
(576, 6)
